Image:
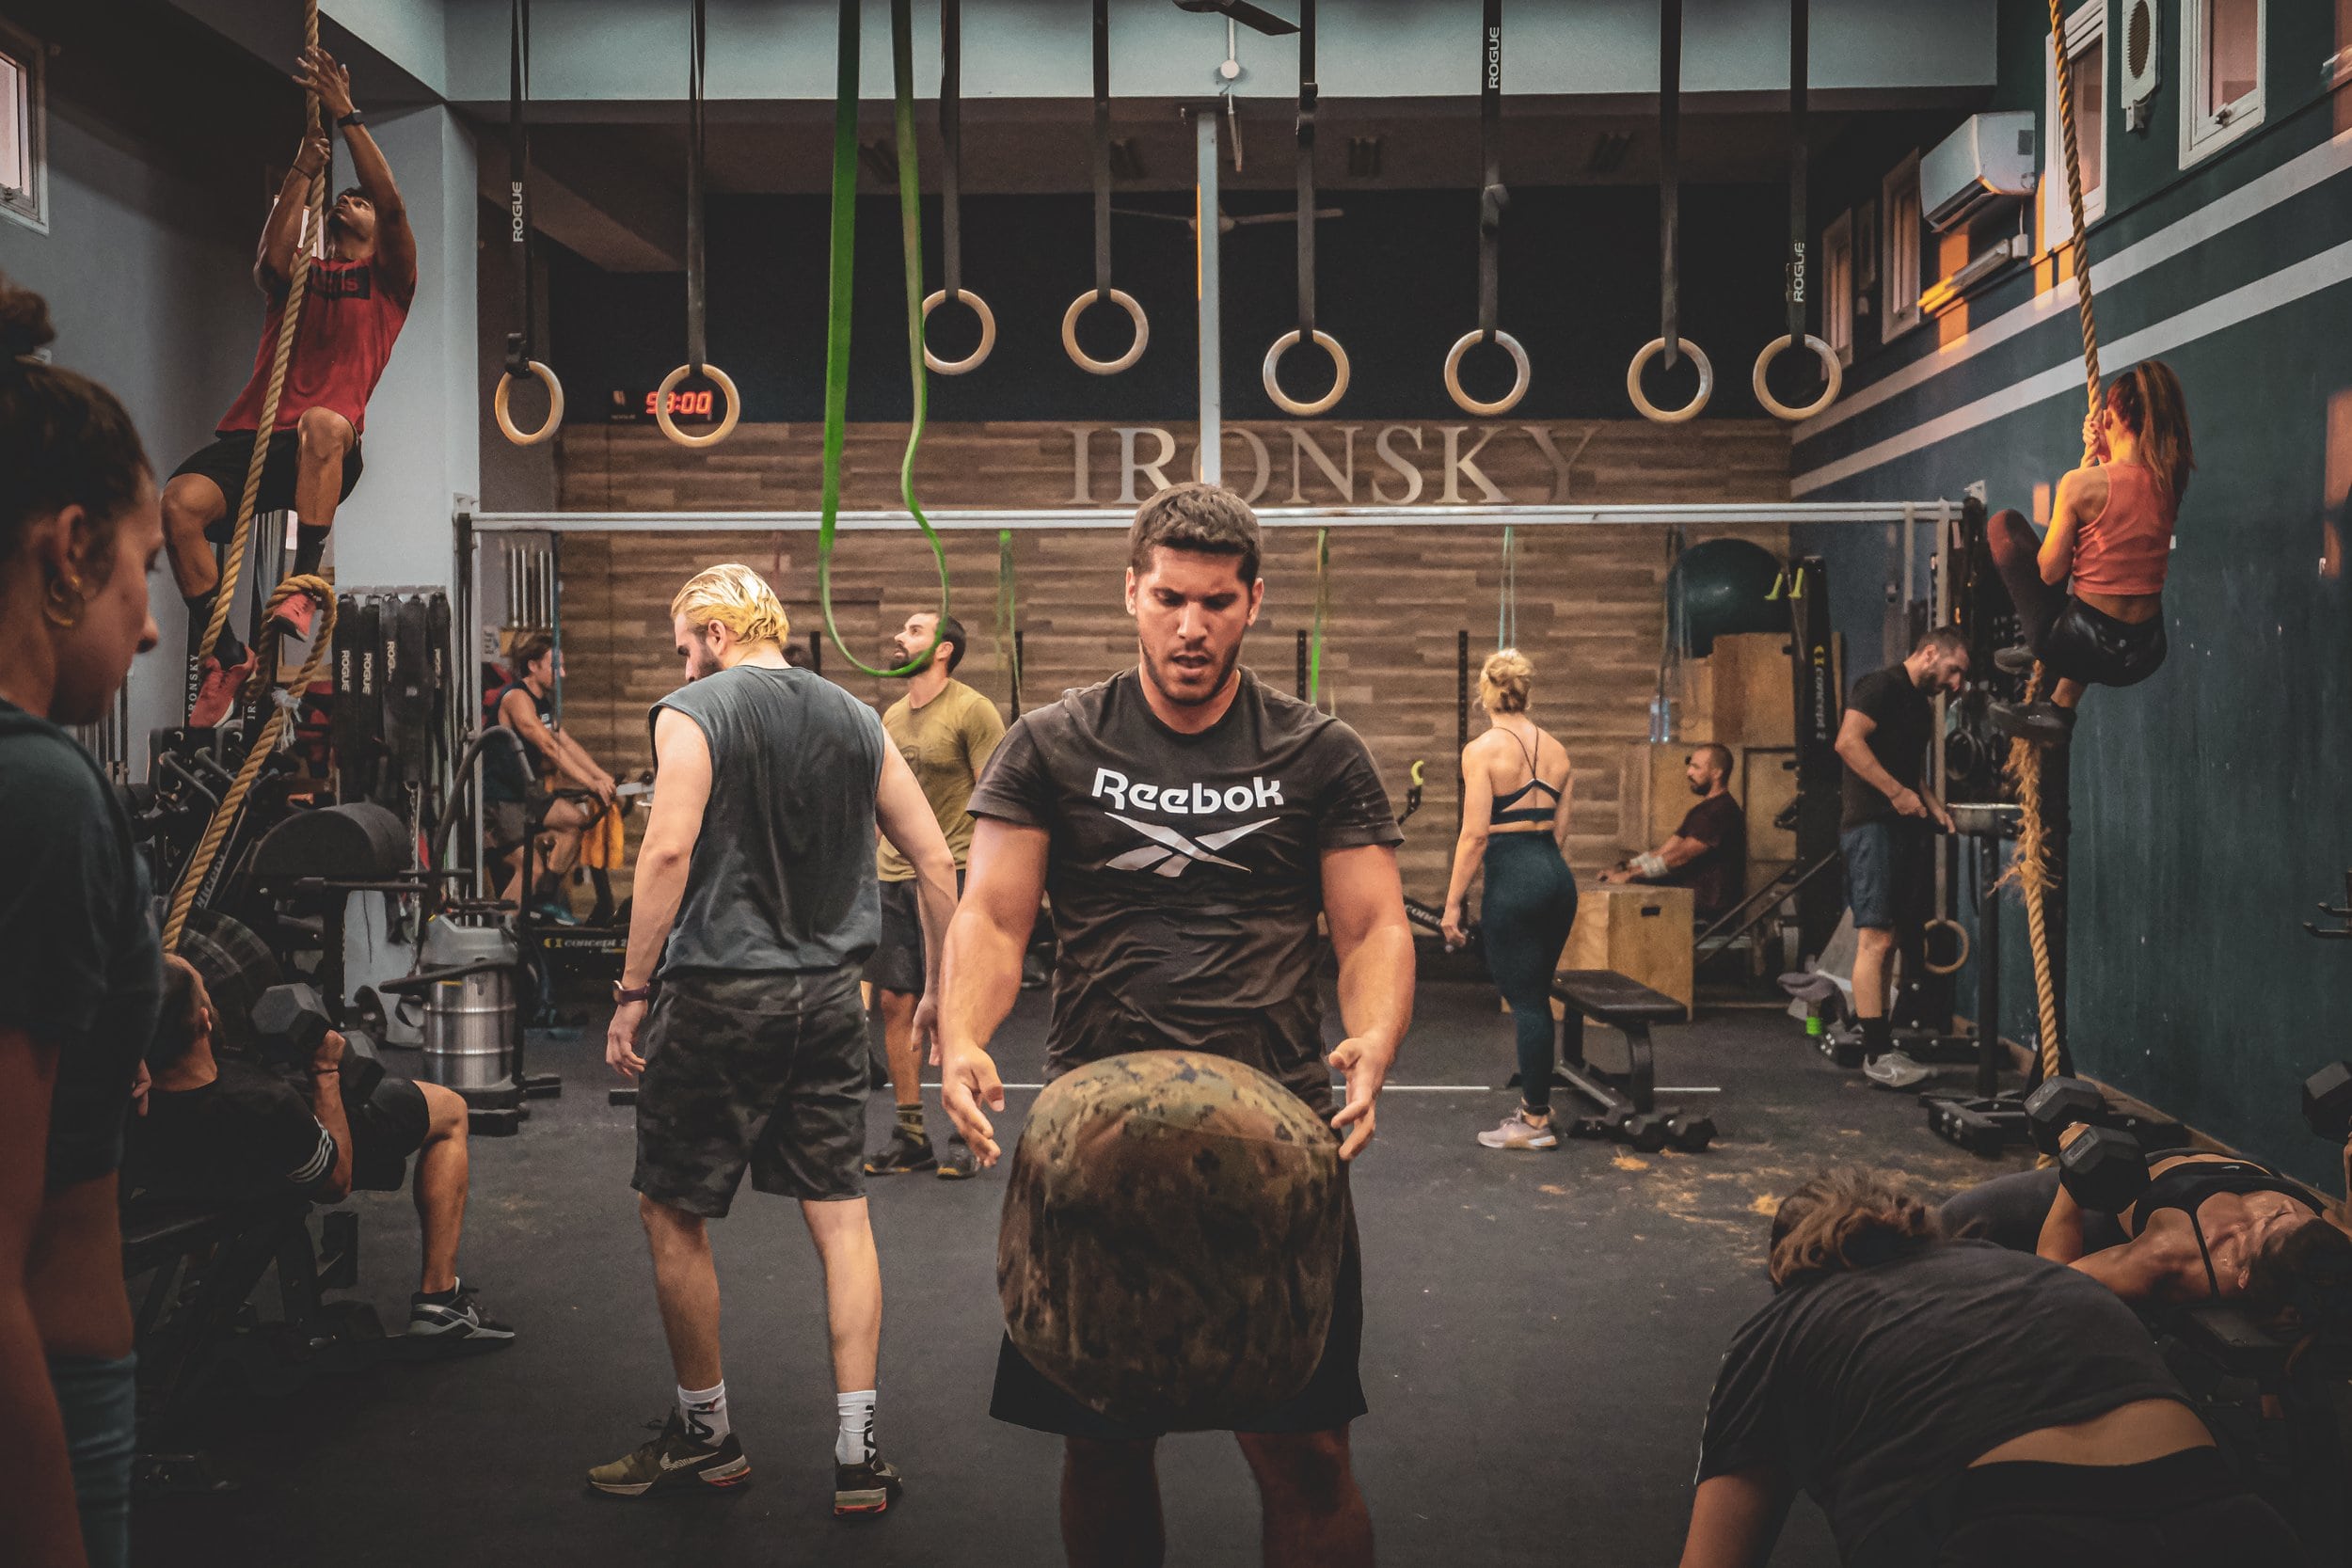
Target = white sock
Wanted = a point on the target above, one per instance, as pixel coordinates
(704, 1413)
(855, 1444)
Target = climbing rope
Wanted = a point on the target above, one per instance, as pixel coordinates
(837, 312)
(216, 832)
(2032, 866)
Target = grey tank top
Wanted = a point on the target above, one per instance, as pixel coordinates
(782, 878)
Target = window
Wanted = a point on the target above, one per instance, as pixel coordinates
(2221, 62)
(1838, 287)
(2087, 58)
(1898, 257)
(24, 179)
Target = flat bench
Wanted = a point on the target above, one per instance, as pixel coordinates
(1625, 1103)
(2222, 1338)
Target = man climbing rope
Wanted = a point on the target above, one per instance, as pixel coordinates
(358, 298)
(2090, 593)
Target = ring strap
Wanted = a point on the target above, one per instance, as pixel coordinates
(1102, 150)
(1493, 196)
(1794, 285)
(697, 346)
(1670, 178)
(1308, 94)
(518, 343)
(951, 143)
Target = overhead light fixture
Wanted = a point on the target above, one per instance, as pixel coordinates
(1608, 152)
(1126, 161)
(1363, 157)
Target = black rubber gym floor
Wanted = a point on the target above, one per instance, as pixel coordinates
(1542, 1331)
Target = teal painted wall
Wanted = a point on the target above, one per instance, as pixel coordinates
(2213, 805)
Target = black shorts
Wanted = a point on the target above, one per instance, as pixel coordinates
(2090, 645)
(896, 962)
(387, 1127)
(226, 460)
(764, 1072)
(505, 824)
(1334, 1397)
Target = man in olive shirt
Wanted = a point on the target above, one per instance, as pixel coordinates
(946, 732)
(1886, 835)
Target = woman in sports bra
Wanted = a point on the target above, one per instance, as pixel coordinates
(2089, 594)
(1515, 784)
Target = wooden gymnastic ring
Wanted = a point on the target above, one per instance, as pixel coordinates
(555, 407)
(988, 333)
(1469, 405)
(1669, 416)
(1085, 361)
(726, 389)
(1960, 959)
(1288, 404)
(1830, 368)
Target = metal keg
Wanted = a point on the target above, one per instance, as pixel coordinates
(469, 1020)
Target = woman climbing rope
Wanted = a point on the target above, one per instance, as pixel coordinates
(2090, 593)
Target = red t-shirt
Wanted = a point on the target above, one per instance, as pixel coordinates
(351, 315)
(2127, 549)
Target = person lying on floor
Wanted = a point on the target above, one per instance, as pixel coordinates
(2090, 593)
(1948, 1402)
(2209, 1226)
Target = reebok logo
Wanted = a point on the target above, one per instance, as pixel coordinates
(1171, 853)
(1193, 800)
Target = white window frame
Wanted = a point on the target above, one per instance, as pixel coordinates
(1838, 287)
(2086, 27)
(2201, 134)
(30, 207)
(1899, 285)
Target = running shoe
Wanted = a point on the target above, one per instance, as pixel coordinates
(1895, 1069)
(2042, 723)
(958, 1165)
(454, 1322)
(670, 1462)
(907, 1150)
(1517, 1131)
(863, 1490)
(2016, 660)
(296, 616)
(216, 689)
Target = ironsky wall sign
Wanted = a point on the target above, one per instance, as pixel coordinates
(1352, 464)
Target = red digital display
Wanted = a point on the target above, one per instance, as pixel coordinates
(689, 406)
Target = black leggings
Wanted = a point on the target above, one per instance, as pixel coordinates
(2009, 1210)
(1530, 905)
(2183, 1511)
(2077, 642)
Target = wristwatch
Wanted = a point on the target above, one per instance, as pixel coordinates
(624, 994)
(354, 117)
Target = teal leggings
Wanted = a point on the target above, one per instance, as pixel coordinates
(1530, 905)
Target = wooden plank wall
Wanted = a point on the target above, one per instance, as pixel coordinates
(1590, 615)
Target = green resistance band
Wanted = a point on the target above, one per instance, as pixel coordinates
(1323, 613)
(1008, 613)
(837, 307)
(1507, 601)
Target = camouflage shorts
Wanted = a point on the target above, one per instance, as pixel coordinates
(765, 1071)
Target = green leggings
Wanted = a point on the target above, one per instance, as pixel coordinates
(1530, 905)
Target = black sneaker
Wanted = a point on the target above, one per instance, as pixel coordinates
(454, 1323)
(2014, 660)
(860, 1491)
(672, 1461)
(907, 1150)
(2042, 723)
(958, 1165)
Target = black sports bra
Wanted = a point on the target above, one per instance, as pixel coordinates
(1506, 809)
(2186, 1186)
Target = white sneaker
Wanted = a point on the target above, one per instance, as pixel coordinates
(1895, 1069)
(1517, 1131)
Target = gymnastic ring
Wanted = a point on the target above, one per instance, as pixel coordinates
(1670, 415)
(726, 389)
(1469, 405)
(988, 333)
(555, 407)
(1288, 404)
(1126, 302)
(1830, 368)
(1958, 958)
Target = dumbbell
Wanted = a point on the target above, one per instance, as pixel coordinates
(290, 1021)
(1688, 1133)
(2104, 1167)
(2327, 1103)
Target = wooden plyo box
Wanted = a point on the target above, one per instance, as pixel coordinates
(1641, 932)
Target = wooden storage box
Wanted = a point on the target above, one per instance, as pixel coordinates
(1641, 932)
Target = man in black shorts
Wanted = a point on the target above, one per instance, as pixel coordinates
(755, 903)
(1190, 825)
(223, 1127)
(1888, 833)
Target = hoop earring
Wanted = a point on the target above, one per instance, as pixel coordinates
(63, 604)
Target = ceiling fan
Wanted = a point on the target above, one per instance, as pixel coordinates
(1226, 222)
(1244, 12)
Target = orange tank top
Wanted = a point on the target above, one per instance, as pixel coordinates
(2124, 551)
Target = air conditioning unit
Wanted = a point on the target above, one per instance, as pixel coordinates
(1988, 162)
